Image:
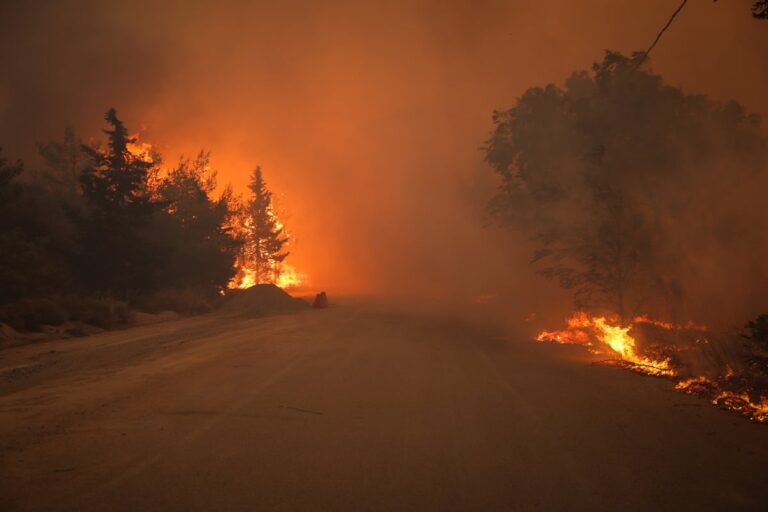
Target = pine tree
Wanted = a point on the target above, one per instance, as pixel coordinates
(264, 236)
(115, 254)
(116, 180)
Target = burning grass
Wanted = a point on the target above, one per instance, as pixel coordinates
(664, 349)
(729, 392)
(606, 336)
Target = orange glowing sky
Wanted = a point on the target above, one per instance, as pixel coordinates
(365, 116)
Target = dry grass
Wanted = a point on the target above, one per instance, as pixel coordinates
(34, 314)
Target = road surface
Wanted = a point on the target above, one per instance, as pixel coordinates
(356, 408)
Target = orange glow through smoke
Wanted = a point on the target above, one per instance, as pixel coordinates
(283, 274)
(287, 278)
(143, 151)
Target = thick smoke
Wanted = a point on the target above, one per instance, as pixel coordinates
(366, 117)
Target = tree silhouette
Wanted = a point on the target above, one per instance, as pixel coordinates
(17, 250)
(116, 255)
(103, 221)
(201, 245)
(599, 173)
(116, 180)
(31, 233)
(264, 236)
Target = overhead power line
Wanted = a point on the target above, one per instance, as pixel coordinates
(661, 32)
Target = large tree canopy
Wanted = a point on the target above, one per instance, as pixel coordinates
(196, 231)
(600, 173)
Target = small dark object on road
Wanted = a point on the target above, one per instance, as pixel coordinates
(321, 301)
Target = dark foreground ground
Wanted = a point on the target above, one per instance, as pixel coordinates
(356, 408)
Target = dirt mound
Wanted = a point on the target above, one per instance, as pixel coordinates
(262, 299)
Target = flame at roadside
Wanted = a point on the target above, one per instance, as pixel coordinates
(755, 408)
(602, 335)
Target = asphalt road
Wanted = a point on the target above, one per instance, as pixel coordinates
(356, 408)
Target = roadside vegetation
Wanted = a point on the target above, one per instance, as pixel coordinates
(646, 202)
(104, 228)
